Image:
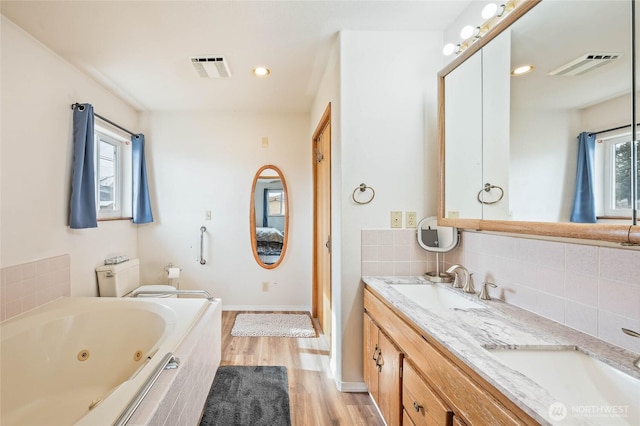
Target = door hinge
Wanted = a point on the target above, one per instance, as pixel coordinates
(328, 243)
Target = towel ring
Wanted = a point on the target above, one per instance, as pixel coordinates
(487, 188)
(363, 187)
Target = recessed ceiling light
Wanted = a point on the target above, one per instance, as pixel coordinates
(522, 70)
(261, 71)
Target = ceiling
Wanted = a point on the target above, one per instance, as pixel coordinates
(141, 50)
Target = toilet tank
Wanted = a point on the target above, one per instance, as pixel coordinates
(118, 280)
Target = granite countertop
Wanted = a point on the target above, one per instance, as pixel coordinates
(467, 333)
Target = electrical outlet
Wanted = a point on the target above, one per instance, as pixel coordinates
(410, 219)
(265, 286)
(396, 219)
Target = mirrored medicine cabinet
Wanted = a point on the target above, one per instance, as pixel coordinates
(508, 144)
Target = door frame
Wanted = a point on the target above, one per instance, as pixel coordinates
(325, 121)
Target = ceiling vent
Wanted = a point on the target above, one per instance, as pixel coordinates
(585, 63)
(211, 66)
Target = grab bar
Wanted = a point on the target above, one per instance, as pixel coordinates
(204, 293)
(202, 231)
(143, 391)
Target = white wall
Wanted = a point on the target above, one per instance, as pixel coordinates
(207, 161)
(329, 93)
(388, 96)
(543, 146)
(38, 88)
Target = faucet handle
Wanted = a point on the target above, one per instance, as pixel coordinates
(484, 293)
(456, 281)
(630, 332)
(468, 286)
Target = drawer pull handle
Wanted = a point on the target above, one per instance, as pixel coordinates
(376, 353)
(380, 362)
(417, 406)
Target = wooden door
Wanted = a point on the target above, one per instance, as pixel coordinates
(322, 223)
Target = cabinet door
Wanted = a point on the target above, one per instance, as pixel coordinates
(371, 352)
(389, 381)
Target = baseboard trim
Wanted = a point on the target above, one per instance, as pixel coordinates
(352, 387)
(267, 308)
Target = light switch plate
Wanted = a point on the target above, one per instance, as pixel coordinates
(396, 219)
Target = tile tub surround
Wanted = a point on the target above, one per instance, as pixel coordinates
(593, 289)
(464, 331)
(29, 285)
(179, 395)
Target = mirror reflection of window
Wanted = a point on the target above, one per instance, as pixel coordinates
(276, 202)
(618, 176)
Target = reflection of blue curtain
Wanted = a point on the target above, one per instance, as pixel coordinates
(82, 207)
(584, 203)
(141, 203)
(265, 208)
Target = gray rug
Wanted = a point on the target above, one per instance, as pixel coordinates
(248, 395)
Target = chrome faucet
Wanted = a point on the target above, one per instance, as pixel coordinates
(632, 334)
(467, 286)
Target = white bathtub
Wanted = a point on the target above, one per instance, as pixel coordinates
(75, 353)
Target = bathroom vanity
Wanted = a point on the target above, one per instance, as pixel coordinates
(450, 362)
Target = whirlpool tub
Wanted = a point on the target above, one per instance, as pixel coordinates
(84, 360)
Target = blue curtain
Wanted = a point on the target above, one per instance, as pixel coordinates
(141, 202)
(265, 208)
(82, 208)
(584, 203)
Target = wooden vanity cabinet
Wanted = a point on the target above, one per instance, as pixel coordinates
(460, 396)
(382, 372)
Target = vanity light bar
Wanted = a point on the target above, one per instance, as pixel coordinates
(493, 14)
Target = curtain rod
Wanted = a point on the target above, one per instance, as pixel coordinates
(612, 129)
(104, 119)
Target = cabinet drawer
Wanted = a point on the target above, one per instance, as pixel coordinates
(406, 420)
(422, 405)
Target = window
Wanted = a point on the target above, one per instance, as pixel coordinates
(618, 176)
(276, 202)
(113, 175)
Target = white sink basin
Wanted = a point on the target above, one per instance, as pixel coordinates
(436, 298)
(599, 392)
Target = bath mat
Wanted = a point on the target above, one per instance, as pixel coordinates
(248, 395)
(278, 325)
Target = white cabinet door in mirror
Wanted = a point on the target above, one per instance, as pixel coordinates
(463, 140)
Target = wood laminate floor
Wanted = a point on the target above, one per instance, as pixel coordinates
(315, 401)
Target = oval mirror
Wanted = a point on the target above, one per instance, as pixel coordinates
(269, 216)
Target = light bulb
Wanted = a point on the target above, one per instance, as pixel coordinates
(489, 10)
(261, 71)
(448, 49)
(523, 70)
(467, 31)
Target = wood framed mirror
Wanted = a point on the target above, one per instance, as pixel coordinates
(269, 216)
(508, 144)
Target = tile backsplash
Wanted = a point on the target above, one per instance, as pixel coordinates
(590, 288)
(29, 285)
